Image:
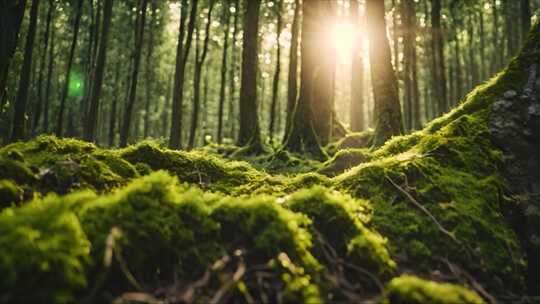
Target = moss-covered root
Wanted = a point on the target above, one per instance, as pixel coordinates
(408, 289)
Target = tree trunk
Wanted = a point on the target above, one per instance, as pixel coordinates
(508, 6)
(39, 104)
(482, 73)
(50, 66)
(60, 119)
(113, 113)
(19, 118)
(416, 123)
(11, 16)
(232, 118)
(384, 82)
(292, 81)
(440, 70)
(357, 116)
(149, 73)
(227, 17)
(139, 39)
(302, 138)
(525, 6)
(95, 94)
(182, 53)
(249, 132)
(324, 118)
(277, 73)
(199, 61)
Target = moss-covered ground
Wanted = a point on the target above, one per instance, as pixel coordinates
(424, 219)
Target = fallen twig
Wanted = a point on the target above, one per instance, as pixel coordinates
(424, 209)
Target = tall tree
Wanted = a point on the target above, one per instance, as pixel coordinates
(232, 72)
(525, 6)
(325, 120)
(95, 93)
(139, 39)
(199, 62)
(277, 72)
(357, 116)
(182, 53)
(385, 90)
(11, 16)
(301, 137)
(249, 132)
(292, 81)
(39, 104)
(48, 85)
(60, 118)
(411, 104)
(114, 105)
(19, 118)
(150, 68)
(226, 19)
(438, 53)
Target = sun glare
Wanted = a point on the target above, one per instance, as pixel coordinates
(343, 36)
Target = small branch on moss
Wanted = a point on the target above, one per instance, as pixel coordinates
(425, 210)
(459, 272)
(224, 289)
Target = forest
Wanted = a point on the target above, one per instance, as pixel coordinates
(270, 151)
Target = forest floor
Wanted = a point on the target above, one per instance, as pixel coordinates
(431, 217)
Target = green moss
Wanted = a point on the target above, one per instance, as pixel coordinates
(193, 167)
(10, 193)
(408, 289)
(343, 160)
(44, 254)
(354, 140)
(340, 220)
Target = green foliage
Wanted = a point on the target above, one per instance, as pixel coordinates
(408, 289)
(44, 253)
(340, 220)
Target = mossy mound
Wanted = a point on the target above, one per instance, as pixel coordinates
(196, 167)
(408, 289)
(439, 195)
(49, 164)
(155, 230)
(354, 140)
(343, 160)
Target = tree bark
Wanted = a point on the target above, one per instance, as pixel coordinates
(95, 94)
(199, 61)
(182, 53)
(60, 119)
(149, 73)
(11, 16)
(19, 119)
(302, 138)
(139, 40)
(232, 118)
(39, 104)
(277, 73)
(525, 6)
(249, 132)
(357, 116)
(385, 91)
(113, 112)
(440, 70)
(292, 81)
(50, 67)
(223, 80)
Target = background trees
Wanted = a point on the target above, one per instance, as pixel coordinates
(248, 81)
